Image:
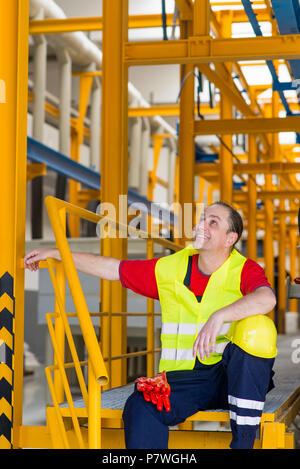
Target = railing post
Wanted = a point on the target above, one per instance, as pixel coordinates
(86, 325)
(59, 333)
(105, 322)
(94, 410)
(150, 319)
(59, 328)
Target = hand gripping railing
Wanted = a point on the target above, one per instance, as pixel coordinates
(56, 210)
(97, 372)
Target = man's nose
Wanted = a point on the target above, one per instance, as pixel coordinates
(202, 223)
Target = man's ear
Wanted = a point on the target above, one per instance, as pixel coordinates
(231, 238)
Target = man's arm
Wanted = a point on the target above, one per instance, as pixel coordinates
(103, 267)
(261, 301)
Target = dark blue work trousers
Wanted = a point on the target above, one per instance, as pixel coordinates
(238, 383)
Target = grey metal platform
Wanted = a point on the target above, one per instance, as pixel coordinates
(116, 398)
(286, 380)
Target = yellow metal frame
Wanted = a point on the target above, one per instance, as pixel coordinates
(196, 48)
(104, 426)
(66, 418)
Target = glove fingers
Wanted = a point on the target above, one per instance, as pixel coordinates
(147, 396)
(167, 404)
(155, 390)
(153, 397)
(159, 403)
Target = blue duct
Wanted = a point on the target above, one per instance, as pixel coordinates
(256, 28)
(287, 14)
(283, 4)
(61, 164)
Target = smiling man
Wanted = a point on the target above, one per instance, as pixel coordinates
(218, 345)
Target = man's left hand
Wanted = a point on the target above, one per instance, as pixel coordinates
(206, 339)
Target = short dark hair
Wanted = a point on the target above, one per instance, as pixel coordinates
(235, 220)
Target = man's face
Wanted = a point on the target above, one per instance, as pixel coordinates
(211, 233)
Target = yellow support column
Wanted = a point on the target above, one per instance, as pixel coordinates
(281, 271)
(268, 246)
(94, 411)
(293, 308)
(199, 27)
(13, 136)
(251, 226)
(276, 155)
(186, 144)
(114, 161)
(86, 80)
(226, 163)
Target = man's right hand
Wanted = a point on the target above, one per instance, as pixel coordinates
(32, 259)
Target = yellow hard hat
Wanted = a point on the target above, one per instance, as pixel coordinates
(256, 335)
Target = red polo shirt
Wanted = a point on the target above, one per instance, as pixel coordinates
(139, 276)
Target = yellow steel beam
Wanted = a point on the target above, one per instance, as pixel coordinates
(233, 3)
(35, 169)
(197, 50)
(239, 16)
(287, 194)
(168, 110)
(94, 23)
(287, 213)
(276, 167)
(227, 87)
(255, 125)
(222, 78)
(212, 169)
(186, 9)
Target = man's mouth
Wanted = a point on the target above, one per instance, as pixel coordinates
(202, 236)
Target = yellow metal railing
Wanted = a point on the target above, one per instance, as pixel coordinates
(99, 367)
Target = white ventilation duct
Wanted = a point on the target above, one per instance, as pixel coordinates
(84, 52)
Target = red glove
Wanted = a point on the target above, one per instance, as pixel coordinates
(156, 390)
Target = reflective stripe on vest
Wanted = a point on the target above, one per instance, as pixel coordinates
(189, 329)
(183, 317)
(186, 354)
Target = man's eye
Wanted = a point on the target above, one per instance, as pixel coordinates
(213, 221)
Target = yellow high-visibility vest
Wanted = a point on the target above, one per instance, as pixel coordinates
(183, 316)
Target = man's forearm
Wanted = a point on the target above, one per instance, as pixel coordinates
(99, 266)
(103, 267)
(261, 301)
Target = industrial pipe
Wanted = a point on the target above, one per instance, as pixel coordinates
(65, 64)
(39, 89)
(83, 52)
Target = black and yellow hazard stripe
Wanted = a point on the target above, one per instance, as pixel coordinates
(7, 310)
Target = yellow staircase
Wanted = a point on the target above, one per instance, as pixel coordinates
(92, 419)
